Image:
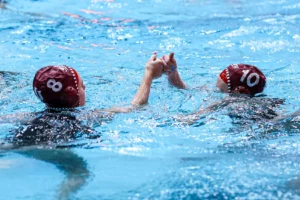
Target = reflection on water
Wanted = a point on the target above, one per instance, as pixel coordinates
(73, 166)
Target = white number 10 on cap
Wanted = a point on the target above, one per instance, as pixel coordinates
(249, 83)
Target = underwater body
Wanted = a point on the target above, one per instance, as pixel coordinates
(242, 148)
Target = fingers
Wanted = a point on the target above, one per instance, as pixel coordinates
(156, 60)
(172, 56)
(159, 61)
(153, 57)
(155, 53)
(167, 68)
(167, 61)
(164, 60)
(172, 60)
(168, 64)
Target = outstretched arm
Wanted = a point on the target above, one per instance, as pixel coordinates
(172, 72)
(142, 95)
(153, 70)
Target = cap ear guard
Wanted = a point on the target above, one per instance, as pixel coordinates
(69, 96)
(223, 76)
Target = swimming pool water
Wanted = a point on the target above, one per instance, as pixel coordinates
(149, 153)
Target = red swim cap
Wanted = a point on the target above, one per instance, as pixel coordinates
(57, 87)
(247, 76)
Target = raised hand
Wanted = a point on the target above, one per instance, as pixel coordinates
(170, 68)
(170, 63)
(154, 69)
(155, 66)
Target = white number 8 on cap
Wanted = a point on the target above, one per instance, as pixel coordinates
(56, 86)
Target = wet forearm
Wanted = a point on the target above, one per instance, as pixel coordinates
(175, 80)
(143, 92)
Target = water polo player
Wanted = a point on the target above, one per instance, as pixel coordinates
(241, 79)
(235, 79)
(62, 90)
(59, 87)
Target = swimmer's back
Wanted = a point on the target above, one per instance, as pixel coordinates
(244, 109)
(54, 127)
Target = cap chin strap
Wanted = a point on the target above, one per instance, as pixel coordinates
(59, 109)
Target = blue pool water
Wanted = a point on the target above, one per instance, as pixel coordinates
(156, 152)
